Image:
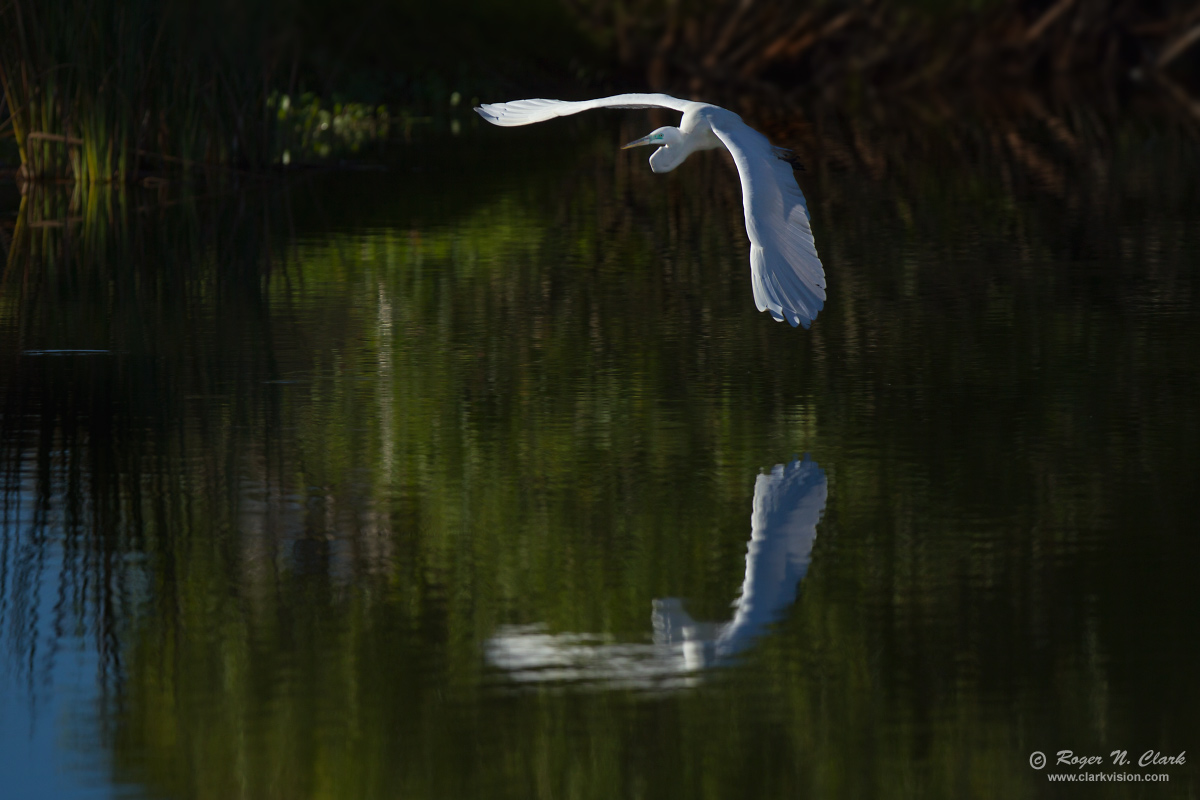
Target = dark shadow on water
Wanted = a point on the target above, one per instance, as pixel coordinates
(110, 328)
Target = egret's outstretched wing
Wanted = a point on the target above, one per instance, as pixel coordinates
(788, 503)
(785, 271)
(527, 112)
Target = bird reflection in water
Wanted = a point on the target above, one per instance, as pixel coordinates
(788, 503)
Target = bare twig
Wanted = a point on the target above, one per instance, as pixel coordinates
(1047, 19)
(1177, 47)
(37, 136)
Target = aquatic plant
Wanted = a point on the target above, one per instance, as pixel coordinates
(115, 90)
(306, 129)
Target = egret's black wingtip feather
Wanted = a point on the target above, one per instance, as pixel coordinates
(794, 160)
(784, 154)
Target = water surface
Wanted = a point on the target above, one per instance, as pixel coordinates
(470, 478)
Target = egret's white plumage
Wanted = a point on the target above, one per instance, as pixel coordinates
(785, 272)
(788, 504)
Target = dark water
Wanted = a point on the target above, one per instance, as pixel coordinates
(482, 477)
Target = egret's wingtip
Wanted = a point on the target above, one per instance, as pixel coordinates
(792, 318)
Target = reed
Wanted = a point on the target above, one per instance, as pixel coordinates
(112, 90)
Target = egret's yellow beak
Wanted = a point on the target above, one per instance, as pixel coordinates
(638, 143)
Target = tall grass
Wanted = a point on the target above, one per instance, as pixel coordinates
(105, 90)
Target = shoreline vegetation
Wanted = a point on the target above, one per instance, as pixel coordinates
(117, 91)
(138, 92)
(133, 91)
(784, 47)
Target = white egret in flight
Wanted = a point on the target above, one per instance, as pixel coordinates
(785, 272)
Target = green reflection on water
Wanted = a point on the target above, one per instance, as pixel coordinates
(353, 429)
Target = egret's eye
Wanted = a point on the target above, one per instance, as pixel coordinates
(657, 136)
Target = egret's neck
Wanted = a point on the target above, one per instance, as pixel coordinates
(675, 152)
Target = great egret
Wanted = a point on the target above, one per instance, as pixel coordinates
(785, 272)
(788, 504)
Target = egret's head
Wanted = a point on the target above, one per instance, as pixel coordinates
(670, 153)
